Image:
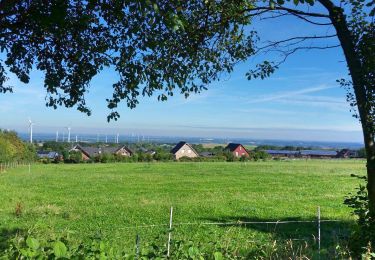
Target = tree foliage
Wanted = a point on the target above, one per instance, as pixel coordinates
(156, 47)
(12, 148)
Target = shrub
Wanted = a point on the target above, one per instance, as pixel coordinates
(73, 157)
(362, 236)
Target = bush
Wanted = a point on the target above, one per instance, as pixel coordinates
(362, 236)
(260, 155)
(73, 157)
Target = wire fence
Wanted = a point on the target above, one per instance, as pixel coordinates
(11, 165)
(171, 228)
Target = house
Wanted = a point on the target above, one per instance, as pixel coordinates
(47, 155)
(238, 150)
(89, 152)
(346, 153)
(183, 149)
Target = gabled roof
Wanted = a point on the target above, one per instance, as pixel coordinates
(179, 146)
(116, 149)
(87, 150)
(232, 146)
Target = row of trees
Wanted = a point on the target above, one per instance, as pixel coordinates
(13, 149)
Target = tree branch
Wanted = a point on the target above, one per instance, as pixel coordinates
(298, 40)
(289, 10)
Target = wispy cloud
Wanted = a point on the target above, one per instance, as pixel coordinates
(326, 102)
(288, 94)
(267, 111)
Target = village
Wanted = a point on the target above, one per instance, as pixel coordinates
(184, 151)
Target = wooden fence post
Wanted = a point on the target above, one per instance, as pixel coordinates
(137, 242)
(319, 235)
(170, 233)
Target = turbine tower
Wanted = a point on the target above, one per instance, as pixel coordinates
(31, 130)
(69, 128)
(57, 136)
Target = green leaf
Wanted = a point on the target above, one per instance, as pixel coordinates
(296, 2)
(32, 243)
(218, 256)
(59, 249)
(156, 7)
(272, 4)
(193, 252)
(102, 246)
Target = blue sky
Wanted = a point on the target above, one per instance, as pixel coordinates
(301, 101)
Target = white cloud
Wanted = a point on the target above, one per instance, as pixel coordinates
(289, 94)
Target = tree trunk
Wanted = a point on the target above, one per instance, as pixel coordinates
(338, 19)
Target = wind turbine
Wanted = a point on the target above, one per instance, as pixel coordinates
(31, 130)
(69, 128)
(57, 136)
(117, 138)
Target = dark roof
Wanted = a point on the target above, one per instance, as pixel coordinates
(318, 152)
(88, 150)
(178, 147)
(279, 152)
(232, 146)
(347, 153)
(47, 154)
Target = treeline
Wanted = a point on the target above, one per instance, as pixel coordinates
(13, 149)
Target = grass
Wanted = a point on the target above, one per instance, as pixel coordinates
(117, 199)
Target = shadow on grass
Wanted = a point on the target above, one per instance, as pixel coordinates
(331, 231)
(6, 236)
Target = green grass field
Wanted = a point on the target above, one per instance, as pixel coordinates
(118, 199)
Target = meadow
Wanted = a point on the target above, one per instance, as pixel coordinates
(119, 201)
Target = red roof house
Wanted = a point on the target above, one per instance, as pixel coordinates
(238, 150)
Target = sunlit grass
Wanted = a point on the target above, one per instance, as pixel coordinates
(116, 198)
